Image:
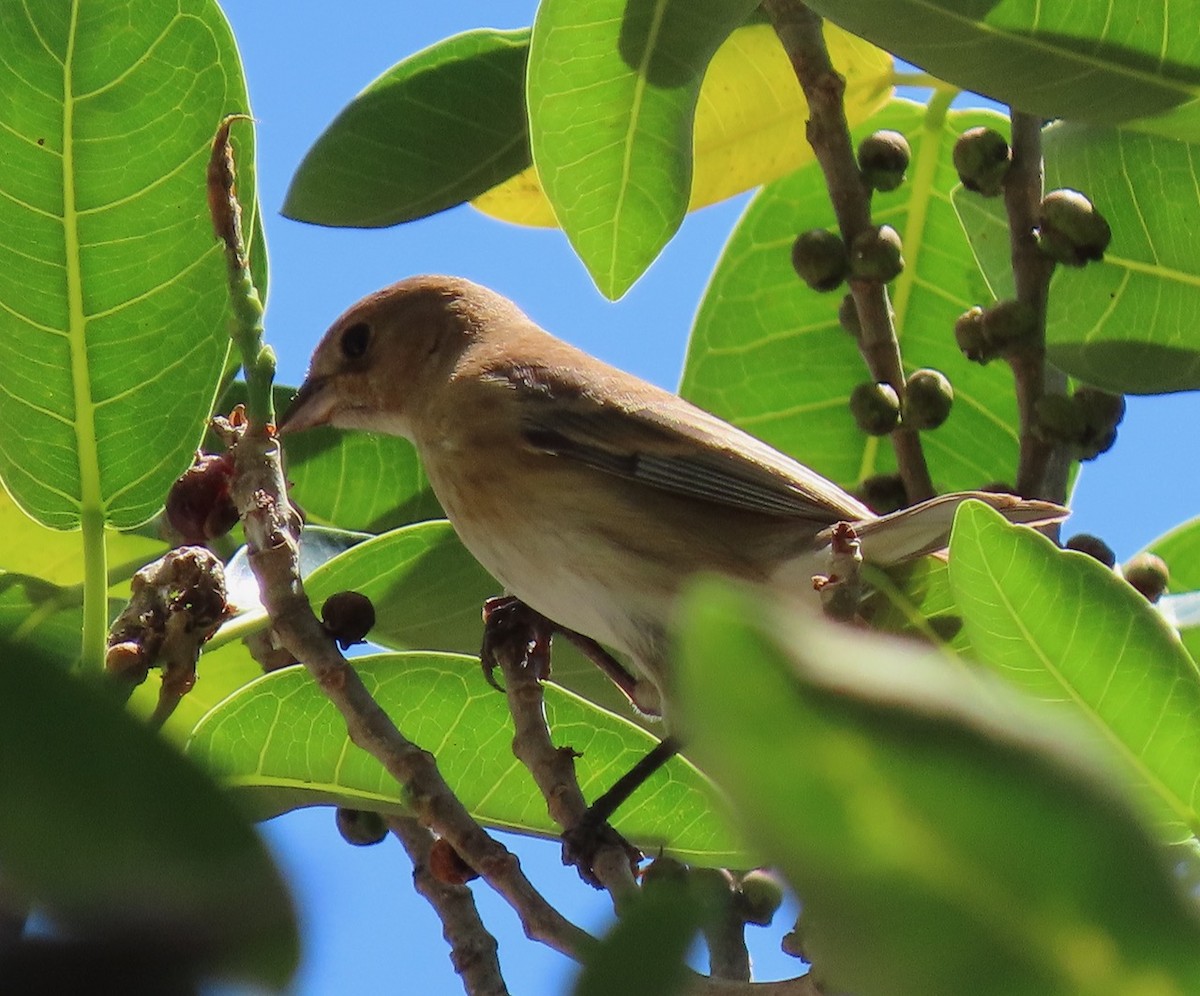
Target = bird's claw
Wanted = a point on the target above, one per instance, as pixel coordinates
(515, 631)
(583, 841)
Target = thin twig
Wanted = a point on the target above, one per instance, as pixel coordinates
(1043, 466)
(271, 527)
(472, 947)
(799, 29)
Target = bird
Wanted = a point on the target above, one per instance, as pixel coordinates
(593, 496)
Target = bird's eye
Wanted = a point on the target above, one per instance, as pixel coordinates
(355, 340)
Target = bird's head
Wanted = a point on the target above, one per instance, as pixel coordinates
(382, 359)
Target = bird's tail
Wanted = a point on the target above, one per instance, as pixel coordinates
(925, 528)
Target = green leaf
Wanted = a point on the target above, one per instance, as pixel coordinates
(358, 480)
(944, 835)
(120, 837)
(643, 954)
(1124, 324)
(219, 673)
(39, 617)
(1093, 62)
(437, 129)
(1180, 549)
(1064, 628)
(612, 92)
(54, 555)
(767, 353)
(750, 120)
(112, 288)
(280, 744)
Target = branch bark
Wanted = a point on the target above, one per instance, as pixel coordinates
(799, 30)
(472, 947)
(1043, 466)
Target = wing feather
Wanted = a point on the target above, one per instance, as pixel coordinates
(662, 441)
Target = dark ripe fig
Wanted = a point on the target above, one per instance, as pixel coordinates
(1070, 229)
(820, 260)
(876, 254)
(447, 865)
(883, 493)
(1059, 420)
(883, 158)
(1101, 411)
(982, 158)
(928, 398)
(1093, 546)
(361, 827)
(875, 407)
(199, 505)
(348, 617)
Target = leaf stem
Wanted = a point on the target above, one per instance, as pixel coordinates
(799, 30)
(95, 588)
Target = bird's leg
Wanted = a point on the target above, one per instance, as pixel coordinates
(582, 840)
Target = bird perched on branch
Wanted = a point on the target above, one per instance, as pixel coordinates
(589, 493)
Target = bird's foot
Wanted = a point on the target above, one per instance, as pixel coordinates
(583, 842)
(511, 628)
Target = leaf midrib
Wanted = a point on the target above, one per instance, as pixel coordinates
(91, 506)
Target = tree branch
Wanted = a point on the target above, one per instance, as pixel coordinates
(553, 768)
(1044, 466)
(271, 527)
(799, 29)
(472, 948)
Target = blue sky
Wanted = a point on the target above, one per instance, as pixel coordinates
(365, 930)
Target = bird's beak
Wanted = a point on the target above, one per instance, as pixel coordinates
(312, 406)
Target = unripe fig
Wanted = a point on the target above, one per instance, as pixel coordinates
(876, 254)
(360, 827)
(1147, 574)
(968, 333)
(848, 316)
(1094, 547)
(1059, 420)
(876, 408)
(1008, 323)
(760, 895)
(883, 493)
(928, 398)
(664, 870)
(883, 158)
(982, 158)
(820, 260)
(348, 617)
(1070, 229)
(712, 889)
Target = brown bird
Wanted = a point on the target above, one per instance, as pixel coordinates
(588, 493)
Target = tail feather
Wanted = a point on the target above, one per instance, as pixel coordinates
(925, 528)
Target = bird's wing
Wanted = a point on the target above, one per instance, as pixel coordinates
(657, 439)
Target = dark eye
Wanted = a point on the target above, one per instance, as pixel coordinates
(355, 340)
